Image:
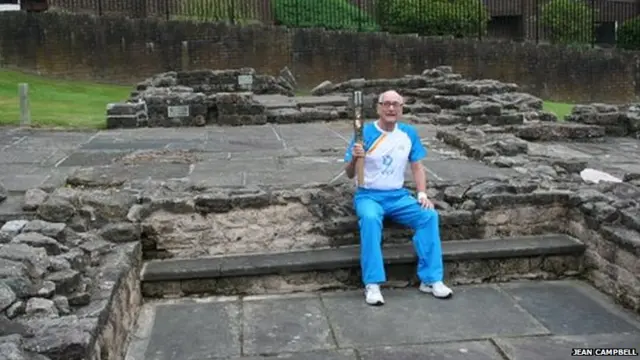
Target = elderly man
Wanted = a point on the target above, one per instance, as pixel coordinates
(389, 145)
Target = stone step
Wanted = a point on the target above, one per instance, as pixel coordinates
(466, 261)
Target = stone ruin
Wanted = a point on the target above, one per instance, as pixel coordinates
(437, 96)
(72, 259)
(66, 292)
(198, 98)
(441, 97)
(214, 97)
(617, 120)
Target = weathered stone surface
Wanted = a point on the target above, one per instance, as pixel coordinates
(623, 120)
(3, 193)
(200, 92)
(57, 292)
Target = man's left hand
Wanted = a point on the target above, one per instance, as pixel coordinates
(424, 201)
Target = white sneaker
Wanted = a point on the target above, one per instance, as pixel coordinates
(437, 289)
(372, 295)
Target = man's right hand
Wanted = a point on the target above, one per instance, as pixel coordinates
(357, 151)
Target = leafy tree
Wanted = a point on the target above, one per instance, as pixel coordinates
(628, 36)
(460, 18)
(239, 12)
(329, 14)
(568, 21)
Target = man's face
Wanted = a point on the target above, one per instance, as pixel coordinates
(390, 109)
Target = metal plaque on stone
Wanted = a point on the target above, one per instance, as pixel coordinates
(178, 111)
(245, 81)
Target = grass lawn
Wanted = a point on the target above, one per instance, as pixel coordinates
(560, 109)
(58, 103)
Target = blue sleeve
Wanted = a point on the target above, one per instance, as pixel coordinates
(418, 151)
(347, 154)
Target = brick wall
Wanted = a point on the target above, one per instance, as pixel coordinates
(126, 51)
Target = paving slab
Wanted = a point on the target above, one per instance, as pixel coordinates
(195, 332)
(22, 182)
(65, 140)
(8, 138)
(559, 347)
(335, 150)
(559, 151)
(319, 144)
(117, 174)
(293, 133)
(464, 170)
(249, 141)
(197, 145)
(235, 165)
(34, 156)
(266, 131)
(473, 313)
(480, 322)
(184, 133)
(299, 144)
(463, 350)
(289, 177)
(92, 158)
(547, 302)
(114, 143)
(348, 354)
(280, 325)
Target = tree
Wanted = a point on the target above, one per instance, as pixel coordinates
(568, 22)
(459, 18)
(328, 14)
(237, 12)
(628, 36)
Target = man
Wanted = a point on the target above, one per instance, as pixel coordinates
(389, 146)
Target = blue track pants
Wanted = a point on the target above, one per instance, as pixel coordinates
(371, 207)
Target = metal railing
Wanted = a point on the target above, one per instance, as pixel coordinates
(602, 23)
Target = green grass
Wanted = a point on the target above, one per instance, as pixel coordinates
(58, 103)
(560, 109)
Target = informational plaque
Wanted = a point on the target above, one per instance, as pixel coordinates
(245, 80)
(178, 111)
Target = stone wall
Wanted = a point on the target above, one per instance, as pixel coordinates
(623, 120)
(128, 51)
(68, 291)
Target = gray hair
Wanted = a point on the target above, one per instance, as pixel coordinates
(381, 96)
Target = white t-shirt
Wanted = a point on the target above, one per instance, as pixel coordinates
(387, 154)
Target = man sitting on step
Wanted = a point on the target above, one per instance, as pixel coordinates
(389, 145)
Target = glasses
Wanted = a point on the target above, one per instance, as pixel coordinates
(389, 104)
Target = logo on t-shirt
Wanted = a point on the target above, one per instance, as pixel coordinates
(387, 161)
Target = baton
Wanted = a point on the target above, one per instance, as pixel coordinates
(357, 132)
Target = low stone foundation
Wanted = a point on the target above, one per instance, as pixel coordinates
(233, 221)
(457, 273)
(441, 97)
(612, 259)
(621, 120)
(179, 219)
(198, 98)
(240, 97)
